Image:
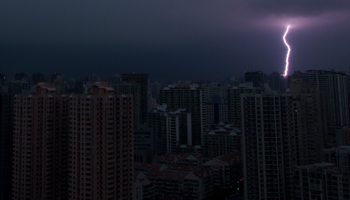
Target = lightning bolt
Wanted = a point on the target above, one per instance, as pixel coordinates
(287, 56)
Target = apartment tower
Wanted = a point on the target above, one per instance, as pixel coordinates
(39, 169)
(100, 144)
(73, 146)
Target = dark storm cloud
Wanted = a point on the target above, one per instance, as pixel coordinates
(165, 37)
(145, 21)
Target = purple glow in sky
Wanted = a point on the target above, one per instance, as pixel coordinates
(288, 53)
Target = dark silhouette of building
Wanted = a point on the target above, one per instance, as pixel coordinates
(141, 82)
(255, 77)
(21, 76)
(37, 78)
(6, 127)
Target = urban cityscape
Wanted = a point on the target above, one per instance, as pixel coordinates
(171, 100)
(258, 136)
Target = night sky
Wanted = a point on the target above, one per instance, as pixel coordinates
(188, 40)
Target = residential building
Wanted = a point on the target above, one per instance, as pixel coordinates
(256, 78)
(145, 144)
(73, 146)
(340, 157)
(234, 101)
(222, 139)
(171, 127)
(280, 131)
(37, 78)
(140, 95)
(192, 99)
(227, 169)
(40, 139)
(58, 81)
(6, 142)
(318, 181)
(101, 144)
(334, 85)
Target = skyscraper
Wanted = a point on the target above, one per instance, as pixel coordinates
(100, 144)
(40, 145)
(280, 131)
(255, 77)
(140, 95)
(6, 136)
(192, 99)
(73, 147)
(334, 84)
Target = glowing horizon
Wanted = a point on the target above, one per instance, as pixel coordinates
(287, 56)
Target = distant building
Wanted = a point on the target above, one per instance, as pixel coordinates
(334, 85)
(6, 143)
(145, 144)
(140, 95)
(280, 131)
(78, 87)
(21, 76)
(216, 111)
(255, 77)
(19, 87)
(58, 81)
(171, 127)
(182, 159)
(318, 181)
(222, 139)
(340, 158)
(143, 187)
(227, 169)
(276, 82)
(192, 99)
(234, 104)
(37, 78)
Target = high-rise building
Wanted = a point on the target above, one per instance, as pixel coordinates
(172, 128)
(267, 160)
(340, 157)
(58, 81)
(279, 132)
(100, 144)
(216, 111)
(133, 89)
(6, 128)
(192, 99)
(145, 144)
(234, 101)
(276, 82)
(73, 146)
(39, 169)
(318, 181)
(222, 139)
(21, 76)
(37, 78)
(256, 78)
(142, 81)
(334, 84)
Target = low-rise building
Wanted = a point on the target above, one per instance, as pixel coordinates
(227, 169)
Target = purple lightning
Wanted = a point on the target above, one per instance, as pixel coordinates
(287, 57)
